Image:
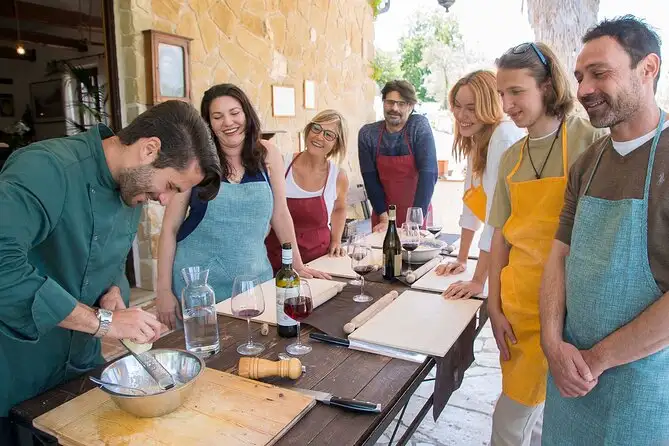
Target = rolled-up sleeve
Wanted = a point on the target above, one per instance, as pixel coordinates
(32, 195)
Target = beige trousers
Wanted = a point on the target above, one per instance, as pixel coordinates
(514, 424)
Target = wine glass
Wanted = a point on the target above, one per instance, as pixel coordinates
(410, 239)
(299, 308)
(354, 239)
(363, 264)
(248, 302)
(415, 215)
(433, 222)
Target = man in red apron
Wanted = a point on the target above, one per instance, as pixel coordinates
(398, 159)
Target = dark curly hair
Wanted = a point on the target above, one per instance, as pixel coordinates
(253, 152)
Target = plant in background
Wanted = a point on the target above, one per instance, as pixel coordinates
(86, 98)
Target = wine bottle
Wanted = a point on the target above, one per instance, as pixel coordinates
(392, 248)
(287, 286)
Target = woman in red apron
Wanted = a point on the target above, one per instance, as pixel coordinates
(316, 191)
(481, 137)
(397, 157)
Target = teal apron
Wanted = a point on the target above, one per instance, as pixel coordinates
(609, 283)
(230, 239)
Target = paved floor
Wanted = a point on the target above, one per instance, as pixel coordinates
(466, 421)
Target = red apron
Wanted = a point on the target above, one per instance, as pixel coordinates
(399, 178)
(312, 230)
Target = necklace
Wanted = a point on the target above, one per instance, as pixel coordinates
(236, 176)
(529, 153)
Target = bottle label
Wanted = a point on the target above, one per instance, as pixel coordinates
(398, 265)
(281, 295)
(286, 256)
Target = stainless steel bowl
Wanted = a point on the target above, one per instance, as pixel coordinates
(184, 366)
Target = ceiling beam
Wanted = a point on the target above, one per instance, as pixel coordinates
(47, 39)
(31, 12)
(7, 52)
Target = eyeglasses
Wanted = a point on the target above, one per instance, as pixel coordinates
(524, 47)
(390, 103)
(328, 134)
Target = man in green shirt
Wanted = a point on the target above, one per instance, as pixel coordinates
(69, 211)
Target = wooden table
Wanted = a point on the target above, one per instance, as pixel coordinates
(344, 372)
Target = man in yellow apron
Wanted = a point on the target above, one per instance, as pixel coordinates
(525, 213)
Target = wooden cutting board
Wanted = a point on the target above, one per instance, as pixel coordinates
(223, 409)
(431, 282)
(341, 266)
(419, 322)
(321, 290)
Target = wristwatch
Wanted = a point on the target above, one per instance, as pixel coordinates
(105, 318)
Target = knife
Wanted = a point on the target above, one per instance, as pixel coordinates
(368, 347)
(344, 403)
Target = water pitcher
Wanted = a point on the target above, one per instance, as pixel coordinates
(198, 304)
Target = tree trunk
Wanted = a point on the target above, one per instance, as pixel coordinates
(561, 24)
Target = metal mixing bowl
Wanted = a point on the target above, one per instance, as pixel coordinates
(426, 251)
(184, 366)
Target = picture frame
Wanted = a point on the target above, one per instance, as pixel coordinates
(168, 66)
(6, 105)
(46, 101)
(309, 94)
(283, 101)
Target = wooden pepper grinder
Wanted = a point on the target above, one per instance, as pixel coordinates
(257, 368)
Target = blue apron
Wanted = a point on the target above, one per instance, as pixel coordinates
(230, 239)
(609, 283)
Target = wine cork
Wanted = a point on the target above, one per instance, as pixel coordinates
(372, 310)
(420, 272)
(264, 329)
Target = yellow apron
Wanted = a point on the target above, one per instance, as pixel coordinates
(476, 199)
(530, 230)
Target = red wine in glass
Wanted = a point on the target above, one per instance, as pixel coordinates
(363, 270)
(410, 246)
(298, 308)
(434, 230)
(249, 313)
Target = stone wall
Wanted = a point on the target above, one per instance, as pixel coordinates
(254, 44)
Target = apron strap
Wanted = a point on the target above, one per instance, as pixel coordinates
(651, 158)
(520, 161)
(405, 136)
(565, 164)
(327, 175)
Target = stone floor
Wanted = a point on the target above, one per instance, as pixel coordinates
(467, 419)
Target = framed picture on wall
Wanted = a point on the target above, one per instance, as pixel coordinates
(283, 101)
(6, 105)
(309, 95)
(167, 66)
(46, 100)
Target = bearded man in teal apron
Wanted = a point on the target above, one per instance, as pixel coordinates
(69, 211)
(604, 302)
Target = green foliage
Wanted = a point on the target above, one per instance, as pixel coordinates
(427, 31)
(375, 6)
(385, 67)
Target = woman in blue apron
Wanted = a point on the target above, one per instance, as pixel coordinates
(226, 235)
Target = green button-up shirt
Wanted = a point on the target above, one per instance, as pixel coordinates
(65, 234)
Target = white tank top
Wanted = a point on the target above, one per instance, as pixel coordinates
(295, 191)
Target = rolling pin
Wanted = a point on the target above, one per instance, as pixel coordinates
(420, 272)
(256, 368)
(372, 310)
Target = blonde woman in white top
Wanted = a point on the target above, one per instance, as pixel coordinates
(481, 136)
(316, 190)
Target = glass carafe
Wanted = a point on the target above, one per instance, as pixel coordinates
(198, 306)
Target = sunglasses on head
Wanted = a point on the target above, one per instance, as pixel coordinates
(327, 134)
(524, 47)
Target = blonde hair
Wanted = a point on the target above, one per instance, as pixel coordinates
(487, 109)
(338, 153)
(559, 98)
